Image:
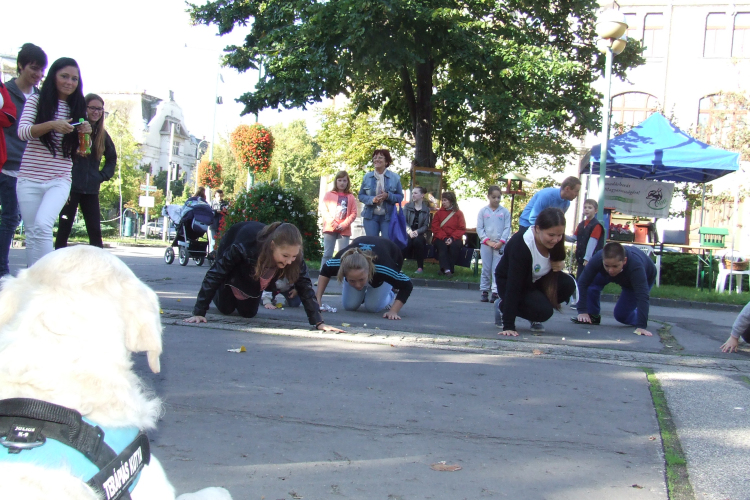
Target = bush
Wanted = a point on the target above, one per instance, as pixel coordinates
(680, 269)
(271, 202)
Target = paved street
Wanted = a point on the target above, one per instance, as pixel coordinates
(566, 414)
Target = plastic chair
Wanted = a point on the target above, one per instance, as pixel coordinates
(724, 272)
(647, 249)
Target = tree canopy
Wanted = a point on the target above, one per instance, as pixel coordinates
(478, 81)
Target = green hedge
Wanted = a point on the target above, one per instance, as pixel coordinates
(680, 269)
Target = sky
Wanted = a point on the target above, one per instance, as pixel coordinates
(140, 45)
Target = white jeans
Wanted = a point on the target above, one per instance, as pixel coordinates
(40, 204)
(490, 260)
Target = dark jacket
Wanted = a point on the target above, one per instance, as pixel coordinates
(86, 174)
(514, 278)
(15, 146)
(424, 217)
(236, 259)
(638, 275)
(387, 265)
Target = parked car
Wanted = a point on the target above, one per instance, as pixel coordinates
(154, 228)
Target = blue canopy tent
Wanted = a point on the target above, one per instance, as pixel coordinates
(657, 150)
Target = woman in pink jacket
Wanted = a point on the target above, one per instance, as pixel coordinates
(339, 209)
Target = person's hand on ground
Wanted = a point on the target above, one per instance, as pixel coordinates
(269, 306)
(196, 319)
(730, 345)
(584, 318)
(391, 315)
(328, 328)
(508, 333)
(557, 265)
(643, 331)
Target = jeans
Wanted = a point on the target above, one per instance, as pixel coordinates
(375, 299)
(490, 260)
(329, 242)
(626, 310)
(377, 226)
(40, 204)
(9, 218)
(91, 214)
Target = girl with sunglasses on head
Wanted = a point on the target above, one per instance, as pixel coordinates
(88, 177)
(45, 174)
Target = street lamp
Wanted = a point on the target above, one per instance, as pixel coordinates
(197, 161)
(610, 28)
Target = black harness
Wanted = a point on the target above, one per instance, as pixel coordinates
(28, 423)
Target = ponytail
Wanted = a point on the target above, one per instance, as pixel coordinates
(356, 259)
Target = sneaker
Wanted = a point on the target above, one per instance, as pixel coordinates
(498, 314)
(595, 320)
(485, 297)
(537, 327)
(494, 297)
(419, 270)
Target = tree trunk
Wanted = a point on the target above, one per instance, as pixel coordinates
(423, 156)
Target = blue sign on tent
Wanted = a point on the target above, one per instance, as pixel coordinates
(657, 150)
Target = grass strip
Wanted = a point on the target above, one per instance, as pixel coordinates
(678, 484)
(745, 379)
(669, 343)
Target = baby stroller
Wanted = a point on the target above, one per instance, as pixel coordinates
(192, 221)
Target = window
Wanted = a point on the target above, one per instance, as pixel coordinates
(176, 149)
(632, 31)
(631, 108)
(741, 35)
(653, 35)
(716, 41)
(719, 117)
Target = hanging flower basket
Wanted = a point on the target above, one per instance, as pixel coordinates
(209, 174)
(253, 146)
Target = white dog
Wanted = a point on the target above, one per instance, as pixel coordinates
(67, 327)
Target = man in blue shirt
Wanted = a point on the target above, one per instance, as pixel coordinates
(549, 197)
(630, 268)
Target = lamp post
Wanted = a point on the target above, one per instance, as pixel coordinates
(610, 28)
(197, 161)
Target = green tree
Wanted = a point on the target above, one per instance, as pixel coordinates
(129, 167)
(293, 161)
(347, 140)
(490, 82)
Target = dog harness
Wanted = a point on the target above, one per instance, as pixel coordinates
(109, 460)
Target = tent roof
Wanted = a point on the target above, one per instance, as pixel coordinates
(658, 150)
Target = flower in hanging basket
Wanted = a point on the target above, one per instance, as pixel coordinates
(209, 174)
(252, 146)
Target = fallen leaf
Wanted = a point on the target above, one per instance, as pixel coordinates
(637, 486)
(179, 300)
(345, 324)
(443, 467)
(537, 352)
(652, 438)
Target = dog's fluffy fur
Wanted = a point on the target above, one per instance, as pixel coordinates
(67, 327)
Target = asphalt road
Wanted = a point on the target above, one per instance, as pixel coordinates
(366, 414)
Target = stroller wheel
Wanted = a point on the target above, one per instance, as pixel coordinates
(199, 260)
(184, 257)
(169, 255)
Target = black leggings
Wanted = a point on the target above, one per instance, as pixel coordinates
(417, 248)
(91, 215)
(226, 302)
(535, 306)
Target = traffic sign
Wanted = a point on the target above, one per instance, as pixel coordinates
(148, 188)
(146, 201)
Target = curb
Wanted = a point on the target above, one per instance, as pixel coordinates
(654, 301)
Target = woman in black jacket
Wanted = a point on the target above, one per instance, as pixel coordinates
(87, 177)
(529, 278)
(417, 214)
(250, 258)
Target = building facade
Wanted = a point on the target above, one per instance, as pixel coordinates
(696, 52)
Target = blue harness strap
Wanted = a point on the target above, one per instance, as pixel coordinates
(52, 436)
